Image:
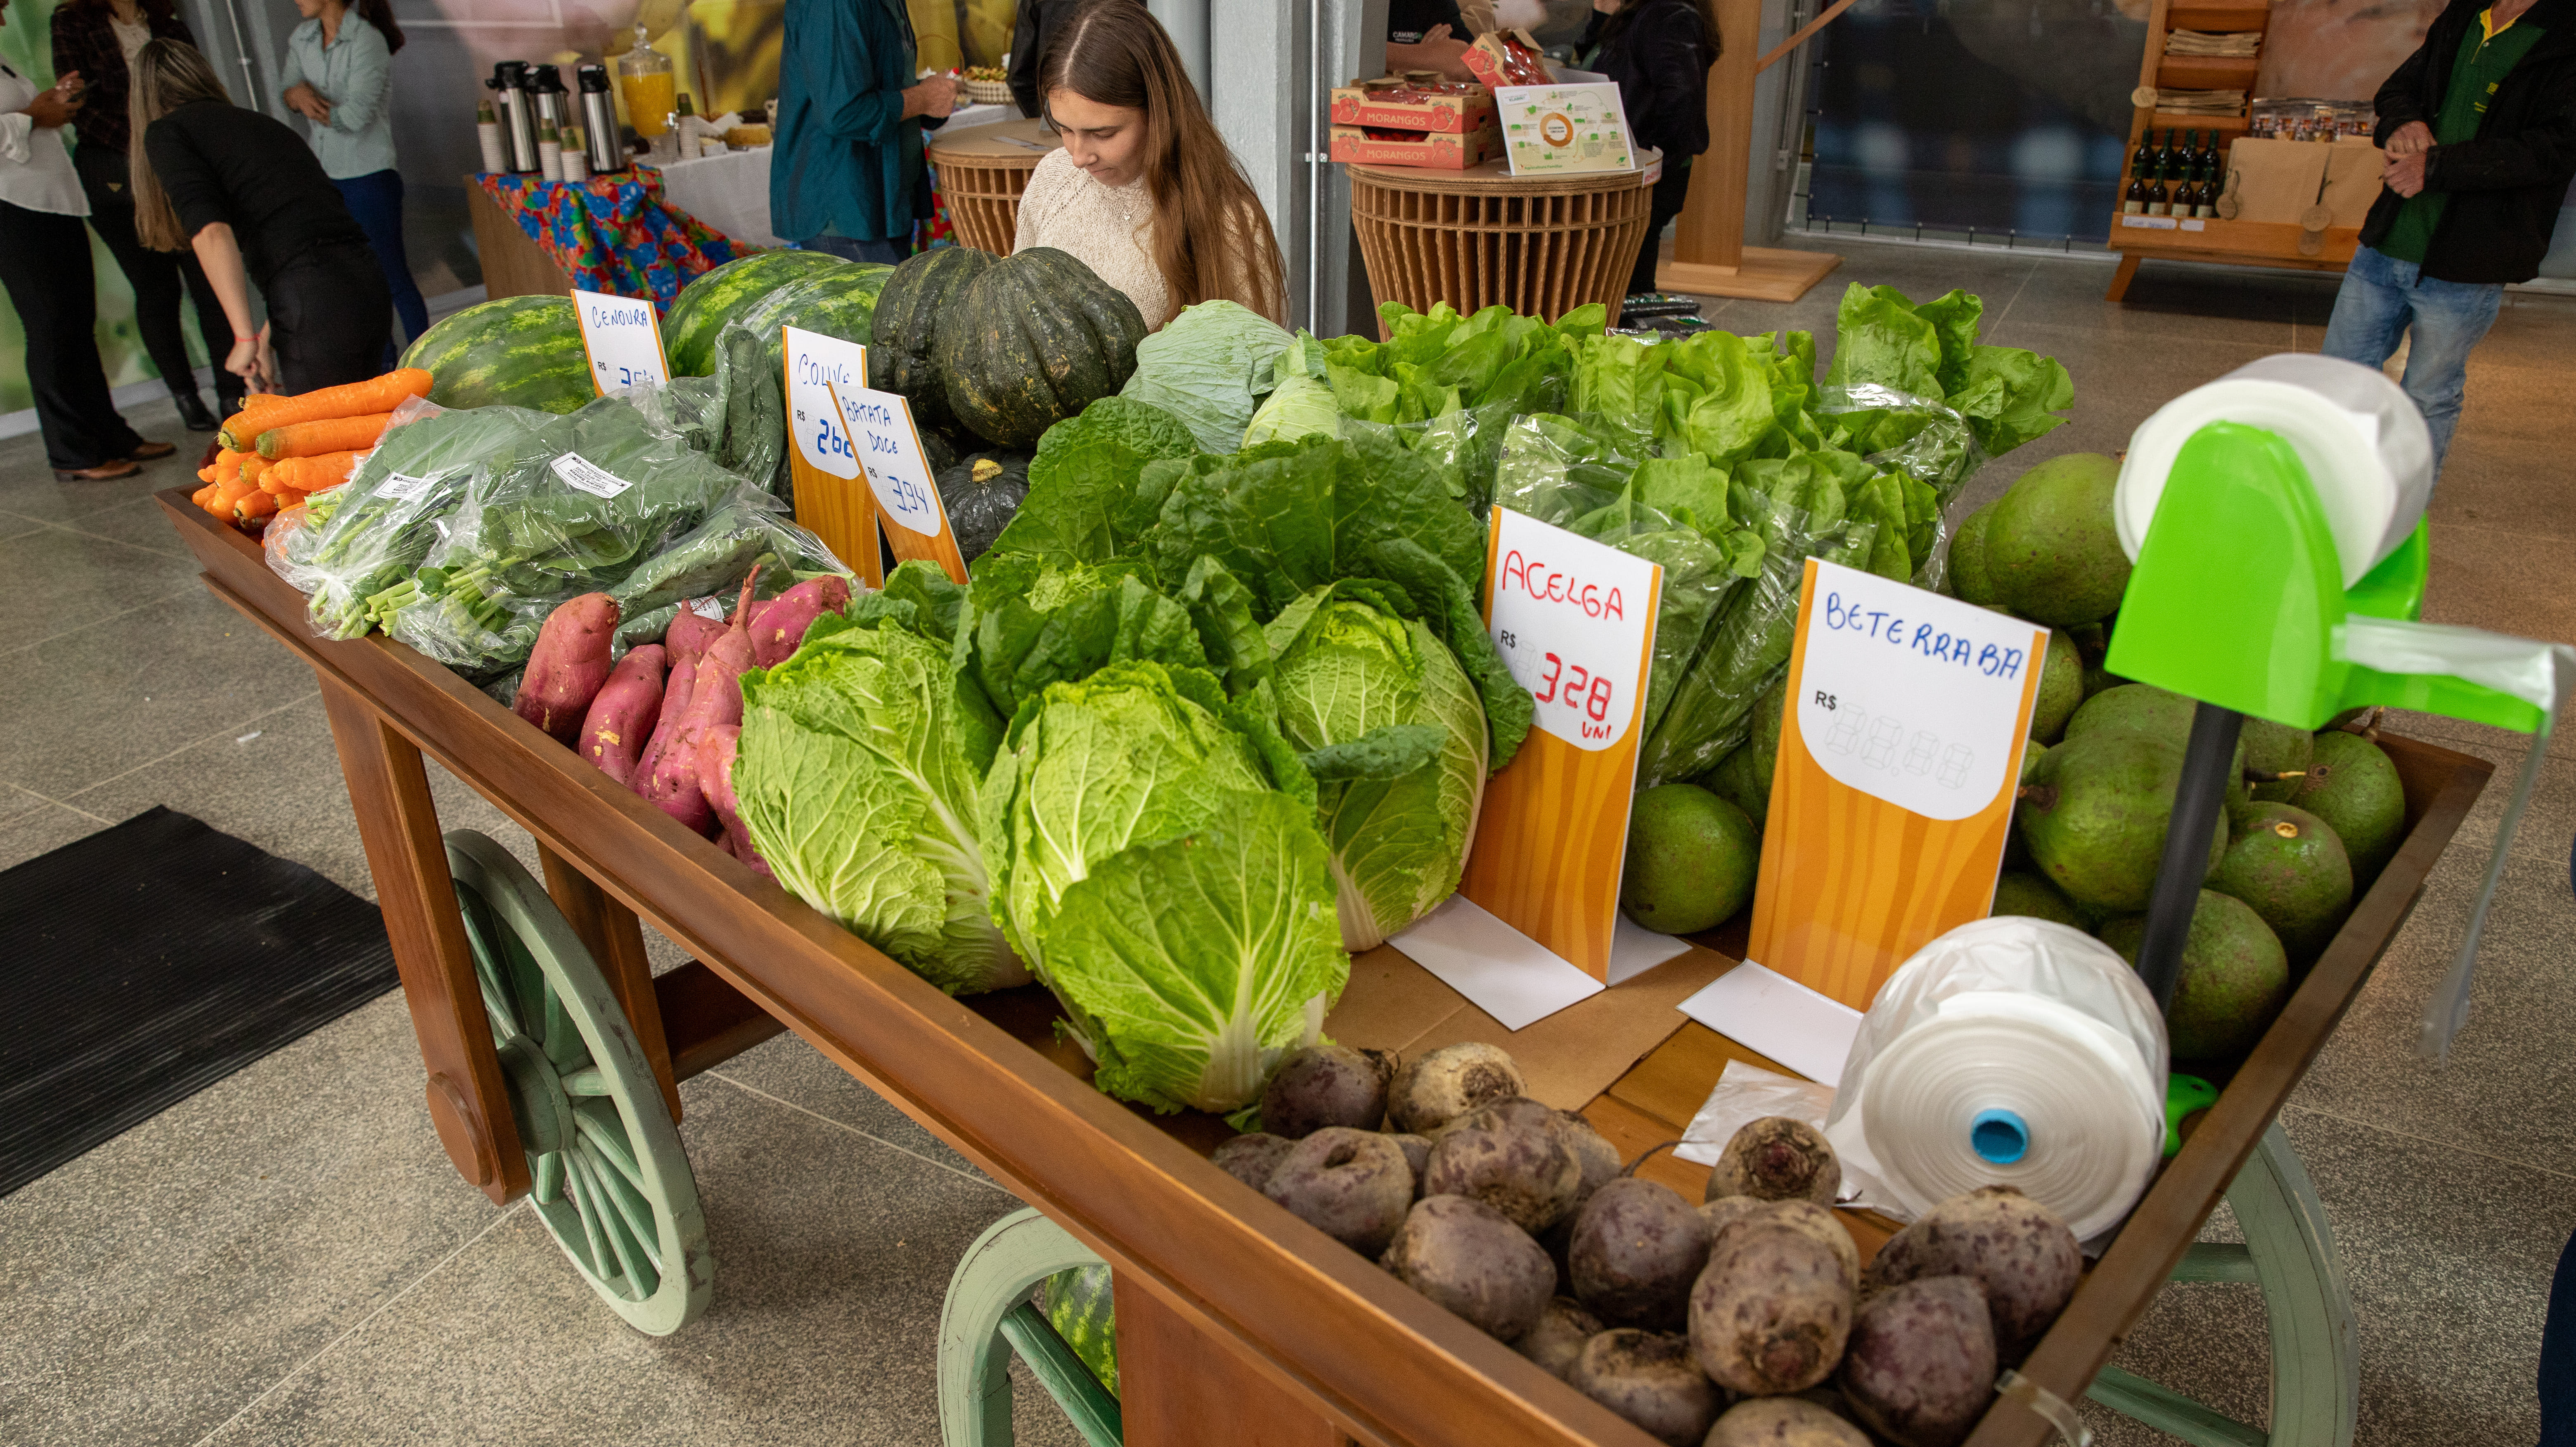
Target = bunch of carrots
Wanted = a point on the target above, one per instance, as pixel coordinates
(279, 450)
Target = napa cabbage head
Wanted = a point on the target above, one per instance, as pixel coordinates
(1395, 736)
(856, 784)
(1157, 862)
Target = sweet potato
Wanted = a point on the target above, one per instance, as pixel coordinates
(715, 778)
(689, 634)
(569, 665)
(621, 718)
(1922, 1362)
(778, 626)
(675, 702)
(715, 699)
(1770, 1314)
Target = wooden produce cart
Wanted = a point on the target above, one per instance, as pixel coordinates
(1541, 245)
(1237, 1322)
(982, 171)
(2239, 243)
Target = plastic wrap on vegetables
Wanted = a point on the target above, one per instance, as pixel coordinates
(748, 529)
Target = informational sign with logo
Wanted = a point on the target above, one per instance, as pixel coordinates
(1553, 130)
(914, 522)
(623, 338)
(1575, 622)
(823, 460)
(1892, 798)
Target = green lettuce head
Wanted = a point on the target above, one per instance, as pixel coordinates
(1157, 862)
(1394, 734)
(856, 786)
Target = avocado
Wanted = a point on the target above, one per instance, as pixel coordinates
(2235, 978)
(2289, 866)
(2096, 817)
(2050, 550)
(2353, 787)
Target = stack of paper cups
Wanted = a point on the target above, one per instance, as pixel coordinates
(2008, 1052)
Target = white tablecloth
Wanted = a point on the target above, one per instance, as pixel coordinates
(731, 192)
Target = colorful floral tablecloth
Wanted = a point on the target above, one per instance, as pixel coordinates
(613, 233)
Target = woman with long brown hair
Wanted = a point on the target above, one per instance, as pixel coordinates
(248, 197)
(94, 38)
(1144, 192)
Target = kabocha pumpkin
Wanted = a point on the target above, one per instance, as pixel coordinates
(1036, 338)
(926, 287)
(981, 492)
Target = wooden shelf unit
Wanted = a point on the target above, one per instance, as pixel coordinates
(2208, 239)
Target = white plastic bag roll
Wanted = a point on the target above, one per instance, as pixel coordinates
(2008, 1052)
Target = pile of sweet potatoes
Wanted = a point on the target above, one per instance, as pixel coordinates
(663, 721)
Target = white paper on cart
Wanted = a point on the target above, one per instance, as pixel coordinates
(1808, 1031)
(1510, 976)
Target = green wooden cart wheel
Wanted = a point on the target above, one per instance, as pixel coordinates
(611, 1181)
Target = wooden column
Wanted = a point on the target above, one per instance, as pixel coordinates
(1709, 254)
(398, 821)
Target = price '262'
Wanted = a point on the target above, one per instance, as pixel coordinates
(1586, 692)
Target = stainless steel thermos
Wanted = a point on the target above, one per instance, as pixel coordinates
(509, 87)
(604, 145)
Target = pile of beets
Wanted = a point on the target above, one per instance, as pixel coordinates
(1746, 1319)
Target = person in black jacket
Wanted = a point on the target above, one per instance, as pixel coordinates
(1031, 33)
(1659, 52)
(249, 198)
(2479, 126)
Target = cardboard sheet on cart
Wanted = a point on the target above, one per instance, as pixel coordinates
(1568, 1058)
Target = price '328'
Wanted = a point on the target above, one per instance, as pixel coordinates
(1586, 692)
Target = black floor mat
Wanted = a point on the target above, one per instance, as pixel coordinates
(148, 961)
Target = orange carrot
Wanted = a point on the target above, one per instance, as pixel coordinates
(229, 494)
(312, 439)
(243, 429)
(204, 494)
(206, 473)
(254, 505)
(228, 464)
(313, 474)
(252, 466)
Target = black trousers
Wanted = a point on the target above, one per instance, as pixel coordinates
(330, 317)
(157, 277)
(44, 266)
(1670, 189)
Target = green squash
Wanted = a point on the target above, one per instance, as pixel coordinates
(1037, 338)
(981, 493)
(927, 286)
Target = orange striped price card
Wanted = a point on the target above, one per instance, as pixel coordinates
(823, 455)
(1575, 621)
(1900, 749)
(910, 516)
(622, 337)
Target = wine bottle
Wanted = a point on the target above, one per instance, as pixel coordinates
(2135, 202)
(2159, 200)
(2209, 156)
(2207, 208)
(2143, 158)
(2164, 154)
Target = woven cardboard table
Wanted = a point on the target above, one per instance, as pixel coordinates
(1541, 245)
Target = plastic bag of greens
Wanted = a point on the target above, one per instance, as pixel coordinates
(388, 516)
(601, 490)
(749, 529)
(1709, 712)
(1557, 468)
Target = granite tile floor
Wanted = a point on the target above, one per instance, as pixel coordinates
(286, 1257)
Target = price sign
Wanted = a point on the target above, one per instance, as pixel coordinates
(1554, 129)
(623, 338)
(1892, 797)
(823, 460)
(1575, 621)
(907, 497)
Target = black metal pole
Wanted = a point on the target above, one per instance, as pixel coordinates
(2207, 762)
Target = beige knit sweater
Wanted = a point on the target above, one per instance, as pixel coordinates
(1109, 229)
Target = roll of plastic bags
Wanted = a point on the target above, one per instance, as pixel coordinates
(2008, 1052)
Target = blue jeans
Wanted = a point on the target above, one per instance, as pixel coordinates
(850, 248)
(2384, 298)
(375, 200)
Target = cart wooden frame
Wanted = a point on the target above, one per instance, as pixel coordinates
(1237, 1321)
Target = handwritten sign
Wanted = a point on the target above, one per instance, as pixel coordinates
(623, 339)
(1575, 622)
(1551, 130)
(1891, 800)
(907, 497)
(823, 459)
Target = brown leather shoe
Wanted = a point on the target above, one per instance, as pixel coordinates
(105, 472)
(151, 451)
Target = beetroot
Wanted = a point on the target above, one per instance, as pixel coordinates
(1649, 1378)
(1469, 1258)
(1770, 1314)
(2017, 1251)
(1326, 1084)
(1636, 1249)
(1777, 1158)
(1921, 1367)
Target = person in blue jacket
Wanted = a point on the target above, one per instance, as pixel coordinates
(847, 177)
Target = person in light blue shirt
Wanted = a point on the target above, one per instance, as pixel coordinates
(340, 77)
(847, 176)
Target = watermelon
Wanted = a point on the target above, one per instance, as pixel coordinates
(840, 301)
(517, 351)
(1078, 1305)
(705, 305)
